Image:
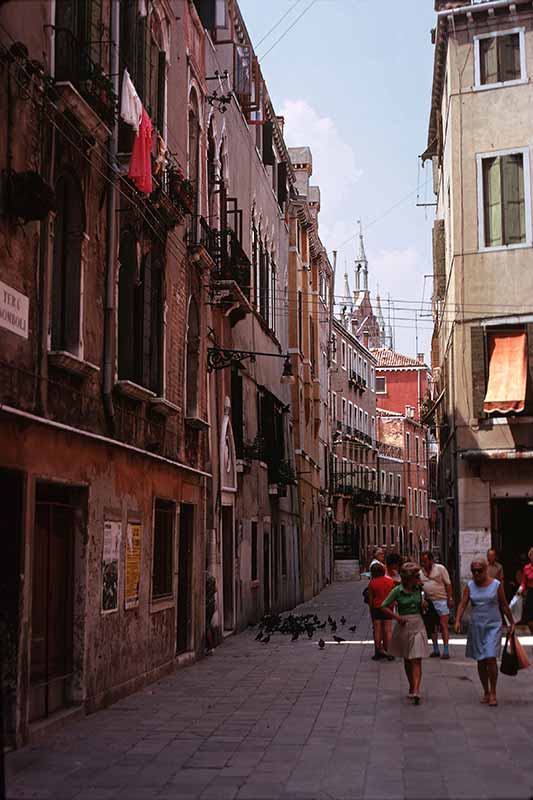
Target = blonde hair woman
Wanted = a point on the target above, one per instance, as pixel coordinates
(409, 639)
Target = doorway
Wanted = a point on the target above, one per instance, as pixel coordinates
(266, 572)
(228, 568)
(52, 600)
(512, 536)
(185, 566)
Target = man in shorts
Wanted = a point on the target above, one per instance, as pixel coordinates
(438, 589)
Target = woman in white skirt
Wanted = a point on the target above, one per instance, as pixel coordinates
(409, 639)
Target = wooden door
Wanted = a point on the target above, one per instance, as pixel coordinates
(228, 568)
(185, 564)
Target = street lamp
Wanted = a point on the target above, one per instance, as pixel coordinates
(221, 357)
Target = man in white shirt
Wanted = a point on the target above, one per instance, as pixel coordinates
(437, 588)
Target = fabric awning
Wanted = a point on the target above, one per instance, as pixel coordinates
(506, 387)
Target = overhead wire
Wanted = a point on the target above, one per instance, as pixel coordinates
(291, 26)
(278, 23)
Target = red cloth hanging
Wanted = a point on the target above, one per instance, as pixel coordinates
(140, 170)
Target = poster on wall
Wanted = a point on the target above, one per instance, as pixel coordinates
(110, 557)
(133, 565)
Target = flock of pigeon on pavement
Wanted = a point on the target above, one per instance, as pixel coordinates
(295, 625)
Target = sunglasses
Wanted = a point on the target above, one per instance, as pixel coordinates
(477, 571)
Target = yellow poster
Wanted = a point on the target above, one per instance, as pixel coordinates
(133, 565)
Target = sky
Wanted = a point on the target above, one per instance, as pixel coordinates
(353, 80)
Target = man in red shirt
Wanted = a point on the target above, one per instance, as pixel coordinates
(379, 588)
(526, 587)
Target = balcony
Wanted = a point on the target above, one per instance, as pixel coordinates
(391, 500)
(202, 243)
(357, 382)
(82, 85)
(390, 451)
(173, 196)
(232, 277)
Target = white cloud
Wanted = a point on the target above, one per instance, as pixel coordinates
(335, 167)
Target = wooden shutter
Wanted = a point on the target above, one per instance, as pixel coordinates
(514, 212)
(439, 258)
(282, 183)
(268, 144)
(146, 319)
(509, 57)
(488, 56)
(492, 201)
(126, 307)
(141, 79)
(161, 82)
(57, 273)
(479, 380)
(156, 329)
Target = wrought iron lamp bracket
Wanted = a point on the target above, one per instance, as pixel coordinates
(219, 358)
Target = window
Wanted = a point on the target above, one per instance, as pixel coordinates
(334, 348)
(504, 205)
(253, 544)
(398, 485)
(383, 482)
(372, 379)
(500, 58)
(194, 148)
(350, 414)
(410, 499)
(334, 406)
(417, 450)
(408, 446)
(69, 235)
(300, 321)
(312, 350)
(365, 429)
(391, 484)
(381, 384)
(344, 411)
(424, 453)
(384, 534)
(237, 410)
(416, 502)
(163, 563)
(392, 542)
(373, 428)
(193, 360)
(283, 550)
(343, 354)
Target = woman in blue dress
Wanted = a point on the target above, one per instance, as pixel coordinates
(488, 602)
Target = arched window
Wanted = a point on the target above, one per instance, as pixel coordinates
(194, 147)
(129, 332)
(211, 174)
(193, 359)
(67, 267)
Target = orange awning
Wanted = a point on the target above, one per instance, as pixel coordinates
(506, 388)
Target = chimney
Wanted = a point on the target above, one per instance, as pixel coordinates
(420, 358)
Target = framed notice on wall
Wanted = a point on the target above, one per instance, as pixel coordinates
(110, 561)
(133, 565)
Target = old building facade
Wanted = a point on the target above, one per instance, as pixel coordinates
(480, 145)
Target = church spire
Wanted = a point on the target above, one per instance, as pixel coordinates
(361, 263)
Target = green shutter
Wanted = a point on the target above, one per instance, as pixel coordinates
(488, 57)
(492, 202)
(514, 212)
(479, 383)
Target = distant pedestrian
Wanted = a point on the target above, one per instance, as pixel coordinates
(526, 587)
(378, 556)
(379, 588)
(483, 644)
(438, 590)
(393, 562)
(494, 568)
(409, 639)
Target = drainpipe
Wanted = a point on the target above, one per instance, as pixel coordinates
(109, 313)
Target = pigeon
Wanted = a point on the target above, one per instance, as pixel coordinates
(321, 643)
(266, 639)
(338, 639)
(259, 636)
(353, 628)
(333, 627)
(343, 620)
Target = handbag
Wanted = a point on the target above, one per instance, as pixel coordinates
(509, 662)
(523, 660)
(430, 617)
(517, 607)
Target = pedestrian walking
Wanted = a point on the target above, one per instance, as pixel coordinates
(488, 602)
(526, 588)
(494, 568)
(409, 639)
(378, 556)
(438, 590)
(379, 588)
(393, 562)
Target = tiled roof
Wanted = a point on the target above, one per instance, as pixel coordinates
(388, 358)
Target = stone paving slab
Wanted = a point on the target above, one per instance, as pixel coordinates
(286, 720)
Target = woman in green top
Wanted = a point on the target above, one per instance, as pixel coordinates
(409, 639)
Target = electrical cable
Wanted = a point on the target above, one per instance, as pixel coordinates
(291, 26)
(277, 24)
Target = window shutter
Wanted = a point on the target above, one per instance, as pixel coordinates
(514, 213)
(161, 82)
(126, 307)
(268, 144)
(57, 274)
(439, 258)
(141, 56)
(156, 331)
(146, 319)
(282, 182)
(488, 55)
(479, 381)
(509, 57)
(492, 202)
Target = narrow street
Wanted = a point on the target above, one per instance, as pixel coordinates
(286, 720)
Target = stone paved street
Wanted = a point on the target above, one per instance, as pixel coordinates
(286, 720)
